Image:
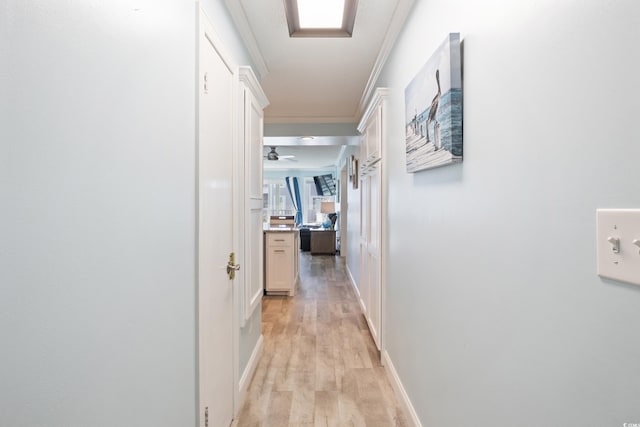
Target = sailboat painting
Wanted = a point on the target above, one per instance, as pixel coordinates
(433, 110)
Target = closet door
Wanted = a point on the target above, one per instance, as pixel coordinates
(250, 227)
(363, 286)
(372, 240)
(373, 254)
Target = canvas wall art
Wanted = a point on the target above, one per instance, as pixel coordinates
(433, 110)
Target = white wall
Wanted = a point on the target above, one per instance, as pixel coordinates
(495, 315)
(225, 29)
(97, 267)
(97, 219)
(353, 223)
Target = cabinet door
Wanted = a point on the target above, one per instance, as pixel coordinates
(373, 310)
(251, 254)
(373, 132)
(280, 239)
(370, 251)
(280, 268)
(362, 161)
(363, 286)
(374, 251)
(253, 204)
(372, 127)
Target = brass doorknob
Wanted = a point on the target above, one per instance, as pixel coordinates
(231, 270)
(232, 267)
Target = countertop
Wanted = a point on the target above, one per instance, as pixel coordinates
(279, 229)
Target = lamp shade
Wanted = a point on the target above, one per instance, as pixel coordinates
(327, 207)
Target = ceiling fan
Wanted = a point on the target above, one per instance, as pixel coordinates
(273, 155)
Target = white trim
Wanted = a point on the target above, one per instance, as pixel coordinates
(242, 24)
(380, 95)
(353, 283)
(310, 119)
(251, 81)
(247, 375)
(393, 31)
(401, 393)
(363, 308)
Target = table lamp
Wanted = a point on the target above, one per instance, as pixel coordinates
(326, 208)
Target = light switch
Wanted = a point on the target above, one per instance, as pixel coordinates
(618, 244)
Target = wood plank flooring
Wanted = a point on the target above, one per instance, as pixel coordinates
(319, 366)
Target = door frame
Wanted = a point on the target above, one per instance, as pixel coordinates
(204, 25)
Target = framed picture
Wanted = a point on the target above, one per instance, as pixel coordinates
(433, 110)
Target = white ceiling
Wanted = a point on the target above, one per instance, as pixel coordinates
(317, 80)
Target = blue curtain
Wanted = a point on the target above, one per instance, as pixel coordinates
(295, 197)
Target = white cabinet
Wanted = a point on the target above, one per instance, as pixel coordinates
(373, 146)
(370, 285)
(281, 262)
(372, 127)
(372, 214)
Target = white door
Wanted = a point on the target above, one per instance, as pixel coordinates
(363, 286)
(215, 235)
(373, 253)
(253, 271)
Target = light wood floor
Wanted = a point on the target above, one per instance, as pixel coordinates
(319, 366)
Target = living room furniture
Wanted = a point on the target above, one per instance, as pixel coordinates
(323, 242)
(305, 239)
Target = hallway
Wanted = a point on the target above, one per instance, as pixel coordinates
(319, 366)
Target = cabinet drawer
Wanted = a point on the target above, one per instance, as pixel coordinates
(279, 239)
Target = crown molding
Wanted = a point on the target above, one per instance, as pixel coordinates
(400, 15)
(250, 80)
(242, 24)
(309, 119)
(380, 95)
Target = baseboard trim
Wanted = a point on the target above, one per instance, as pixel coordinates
(250, 370)
(353, 283)
(354, 286)
(409, 411)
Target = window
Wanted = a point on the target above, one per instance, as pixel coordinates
(308, 196)
(320, 14)
(320, 18)
(276, 199)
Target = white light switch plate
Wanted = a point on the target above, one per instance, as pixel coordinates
(622, 224)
